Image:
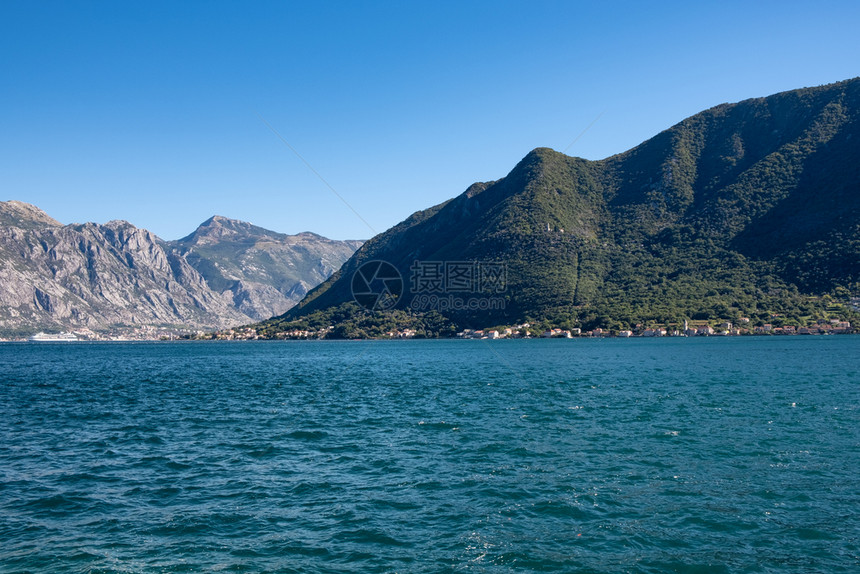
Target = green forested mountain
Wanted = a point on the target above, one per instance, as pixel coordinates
(744, 210)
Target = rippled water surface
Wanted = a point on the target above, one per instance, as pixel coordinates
(697, 455)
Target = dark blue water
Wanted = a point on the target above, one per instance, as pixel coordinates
(699, 455)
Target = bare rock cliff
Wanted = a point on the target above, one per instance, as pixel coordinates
(115, 275)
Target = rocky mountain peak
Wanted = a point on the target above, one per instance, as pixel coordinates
(217, 229)
(262, 271)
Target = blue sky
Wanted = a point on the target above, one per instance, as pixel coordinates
(157, 112)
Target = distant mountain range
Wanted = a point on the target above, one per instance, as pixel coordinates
(747, 210)
(118, 277)
(264, 272)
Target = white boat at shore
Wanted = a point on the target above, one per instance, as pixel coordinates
(53, 338)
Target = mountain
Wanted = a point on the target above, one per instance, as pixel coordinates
(264, 273)
(744, 210)
(118, 277)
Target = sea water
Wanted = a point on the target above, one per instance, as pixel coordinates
(662, 455)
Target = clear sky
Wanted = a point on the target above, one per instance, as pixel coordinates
(156, 112)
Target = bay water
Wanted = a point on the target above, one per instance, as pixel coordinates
(660, 455)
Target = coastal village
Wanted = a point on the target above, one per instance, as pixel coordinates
(725, 329)
(528, 331)
(702, 328)
(521, 331)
